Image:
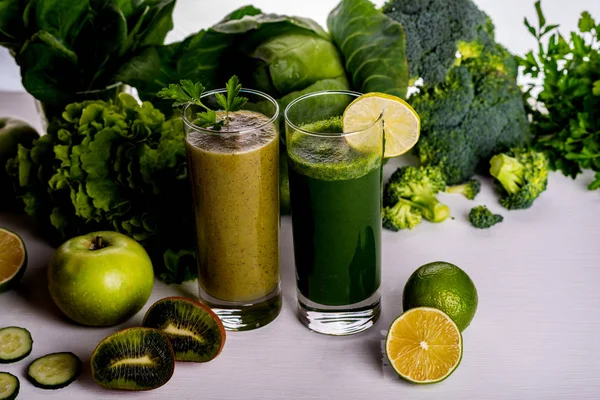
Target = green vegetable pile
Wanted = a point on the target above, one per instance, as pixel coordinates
(566, 111)
(106, 166)
(117, 165)
(472, 110)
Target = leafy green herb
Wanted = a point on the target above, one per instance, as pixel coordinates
(233, 102)
(187, 92)
(566, 111)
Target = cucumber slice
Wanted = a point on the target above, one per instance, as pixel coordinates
(15, 344)
(9, 386)
(54, 371)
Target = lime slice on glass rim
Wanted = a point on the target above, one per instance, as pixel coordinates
(13, 259)
(401, 122)
(424, 345)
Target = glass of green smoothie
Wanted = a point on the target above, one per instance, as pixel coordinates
(234, 173)
(336, 197)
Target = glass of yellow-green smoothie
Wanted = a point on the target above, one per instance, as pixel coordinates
(235, 184)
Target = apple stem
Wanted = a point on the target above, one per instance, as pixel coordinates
(98, 242)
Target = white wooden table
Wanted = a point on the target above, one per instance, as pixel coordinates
(535, 334)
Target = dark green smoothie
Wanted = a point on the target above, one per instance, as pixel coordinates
(336, 212)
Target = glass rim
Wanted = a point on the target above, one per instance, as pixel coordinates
(109, 87)
(327, 134)
(191, 125)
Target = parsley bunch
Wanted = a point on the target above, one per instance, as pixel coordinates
(566, 113)
(188, 92)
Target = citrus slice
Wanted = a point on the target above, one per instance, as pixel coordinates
(401, 122)
(13, 259)
(424, 345)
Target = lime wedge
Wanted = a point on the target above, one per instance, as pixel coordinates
(13, 259)
(401, 122)
(424, 345)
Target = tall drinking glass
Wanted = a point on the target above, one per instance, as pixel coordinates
(235, 184)
(336, 197)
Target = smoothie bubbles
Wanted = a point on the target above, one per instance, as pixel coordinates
(336, 189)
(235, 184)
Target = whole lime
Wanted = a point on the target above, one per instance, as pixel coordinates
(443, 286)
(100, 279)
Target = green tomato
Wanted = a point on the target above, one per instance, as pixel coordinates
(100, 282)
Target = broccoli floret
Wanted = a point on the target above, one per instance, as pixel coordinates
(476, 113)
(434, 29)
(523, 176)
(482, 218)
(418, 185)
(469, 189)
(402, 215)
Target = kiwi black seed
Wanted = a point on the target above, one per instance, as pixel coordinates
(133, 359)
(195, 331)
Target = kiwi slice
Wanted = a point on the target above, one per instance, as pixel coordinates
(195, 331)
(133, 359)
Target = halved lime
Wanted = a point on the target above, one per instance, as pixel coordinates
(424, 345)
(401, 122)
(13, 259)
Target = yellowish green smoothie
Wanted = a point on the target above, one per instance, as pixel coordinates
(235, 182)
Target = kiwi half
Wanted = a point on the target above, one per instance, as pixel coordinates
(195, 331)
(133, 359)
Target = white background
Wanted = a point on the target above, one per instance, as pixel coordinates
(535, 334)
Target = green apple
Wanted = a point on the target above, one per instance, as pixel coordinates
(100, 279)
(13, 132)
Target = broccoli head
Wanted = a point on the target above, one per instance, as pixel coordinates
(434, 29)
(469, 189)
(522, 175)
(419, 186)
(482, 218)
(478, 111)
(402, 215)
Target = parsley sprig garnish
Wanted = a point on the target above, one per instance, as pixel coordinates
(188, 92)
